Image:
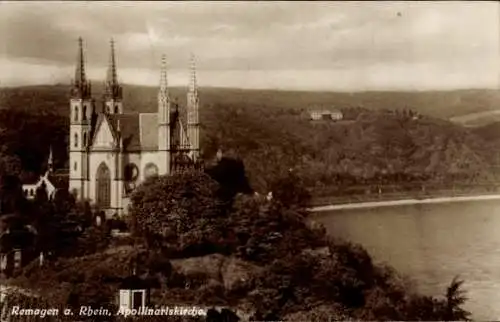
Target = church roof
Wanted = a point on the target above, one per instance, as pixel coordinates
(139, 131)
(59, 178)
(129, 126)
(149, 130)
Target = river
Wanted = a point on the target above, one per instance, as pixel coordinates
(432, 243)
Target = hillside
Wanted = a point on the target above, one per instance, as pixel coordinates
(490, 132)
(261, 258)
(375, 148)
(270, 132)
(442, 104)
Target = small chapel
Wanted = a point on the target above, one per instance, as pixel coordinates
(111, 151)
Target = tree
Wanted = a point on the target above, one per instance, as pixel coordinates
(11, 195)
(61, 225)
(91, 241)
(231, 176)
(41, 196)
(289, 190)
(182, 210)
(262, 231)
(63, 202)
(9, 163)
(455, 298)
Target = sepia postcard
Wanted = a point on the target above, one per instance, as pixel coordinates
(249, 160)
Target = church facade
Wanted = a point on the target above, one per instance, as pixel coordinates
(111, 152)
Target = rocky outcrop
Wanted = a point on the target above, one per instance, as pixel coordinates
(231, 272)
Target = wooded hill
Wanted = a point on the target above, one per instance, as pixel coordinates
(380, 142)
(442, 104)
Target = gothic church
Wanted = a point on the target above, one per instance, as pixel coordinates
(111, 151)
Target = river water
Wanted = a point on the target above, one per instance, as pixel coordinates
(432, 243)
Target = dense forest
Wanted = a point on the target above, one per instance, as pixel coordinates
(378, 143)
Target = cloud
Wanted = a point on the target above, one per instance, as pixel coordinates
(389, 40)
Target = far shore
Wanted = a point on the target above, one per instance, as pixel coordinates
(403, 202)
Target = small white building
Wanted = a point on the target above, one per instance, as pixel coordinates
(49, 180)
(329, 115)
(31, 188)
(133, 293)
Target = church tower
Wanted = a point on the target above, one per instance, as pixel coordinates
(113, 91)
(164, 128)
(193, 125)
(81, 111)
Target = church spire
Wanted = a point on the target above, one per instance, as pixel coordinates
(81, 87)
(164, 126)
(193, 126)
(163, 77)
(163, 95)
(112, 77)
(192, 82)
(80, 64)
(113, 89)
(50, 161)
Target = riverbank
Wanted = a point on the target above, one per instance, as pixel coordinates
(404, 202)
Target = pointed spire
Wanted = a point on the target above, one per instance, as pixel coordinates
(112, 77)
(113, 89)
(80, 87)
(192, 83)
(163, 77)
(80, 64)
(50, 161)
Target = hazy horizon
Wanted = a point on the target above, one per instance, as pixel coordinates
(94, 82)
(309, 46)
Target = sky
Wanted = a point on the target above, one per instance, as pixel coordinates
(337, 46)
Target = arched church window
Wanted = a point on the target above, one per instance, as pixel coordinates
(76, 140)
(75, 166)
(103, 186)
(150, 170)
(84, 116)
(116, 109)
(85, 139)
(76, 113)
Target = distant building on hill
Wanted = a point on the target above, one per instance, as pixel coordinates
(327, 115)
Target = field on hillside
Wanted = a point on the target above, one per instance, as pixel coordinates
(381, 144)
(477, 119)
